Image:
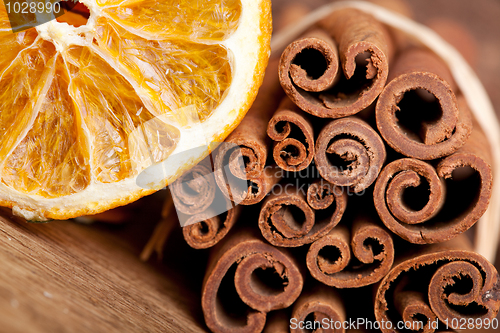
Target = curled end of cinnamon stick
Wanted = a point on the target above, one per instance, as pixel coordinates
(287, 219)
(462, 287)
(322, 194)
(319, 305)
(425, 205)
(194, 191)
(413, 308)
(293, 135)
(330, 259)
(349, 153)
(308, 67)
(251, 260)
(310, 63)
(206, 229)
(365, 47)
(418, 113)
(241, 174)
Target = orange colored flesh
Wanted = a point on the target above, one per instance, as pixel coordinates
(66, 116)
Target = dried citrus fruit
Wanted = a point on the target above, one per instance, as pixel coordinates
(73, 96)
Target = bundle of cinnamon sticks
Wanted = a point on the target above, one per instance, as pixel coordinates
(364, 168)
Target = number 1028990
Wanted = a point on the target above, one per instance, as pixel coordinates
(32, 7)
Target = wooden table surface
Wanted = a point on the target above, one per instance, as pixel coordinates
(67, 277)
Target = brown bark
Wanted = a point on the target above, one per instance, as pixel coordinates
(281, 226)
(209, 227)
(445, 280)
(329, 258)
(322, 194)
(206, 215)
(357, 145)
(293, 135)
(324, 304)
(357, 34)
(411, 305)
(249, 254)
(251, 137)
(439, 125)
(440, 219)
(310, 63)
(194, 191)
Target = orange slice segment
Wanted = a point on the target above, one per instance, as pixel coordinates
(33, 167)
(214, 20)
(164, 69)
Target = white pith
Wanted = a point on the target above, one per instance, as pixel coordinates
(243, 45)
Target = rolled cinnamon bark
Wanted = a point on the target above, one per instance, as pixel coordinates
(254, 292)
(194, 191)
(251, 137)
(286, 219)
(451, 199)
(356, 150)
(322, 194)
(417, 112)
(206, 229)
(318, 309)
(442, 285)
(329, 258)
(359, 38)
(411, 305)
(309, 63)
(293, 135)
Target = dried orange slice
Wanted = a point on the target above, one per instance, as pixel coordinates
(72, 99)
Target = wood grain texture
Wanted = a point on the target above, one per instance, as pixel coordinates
(65, 277)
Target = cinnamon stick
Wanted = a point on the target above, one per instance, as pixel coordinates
(194, 191)
(359, 150)
(432, 125)
(293, 135)
(286, 219)
(309, 63)
(411, 305)
(359, 38)
(444, 281)
(448, 209)
(319, 309)
(322, 194)
(246, 255)
(206, 229)
(329, 258)
(251, 138)
(205, 214)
